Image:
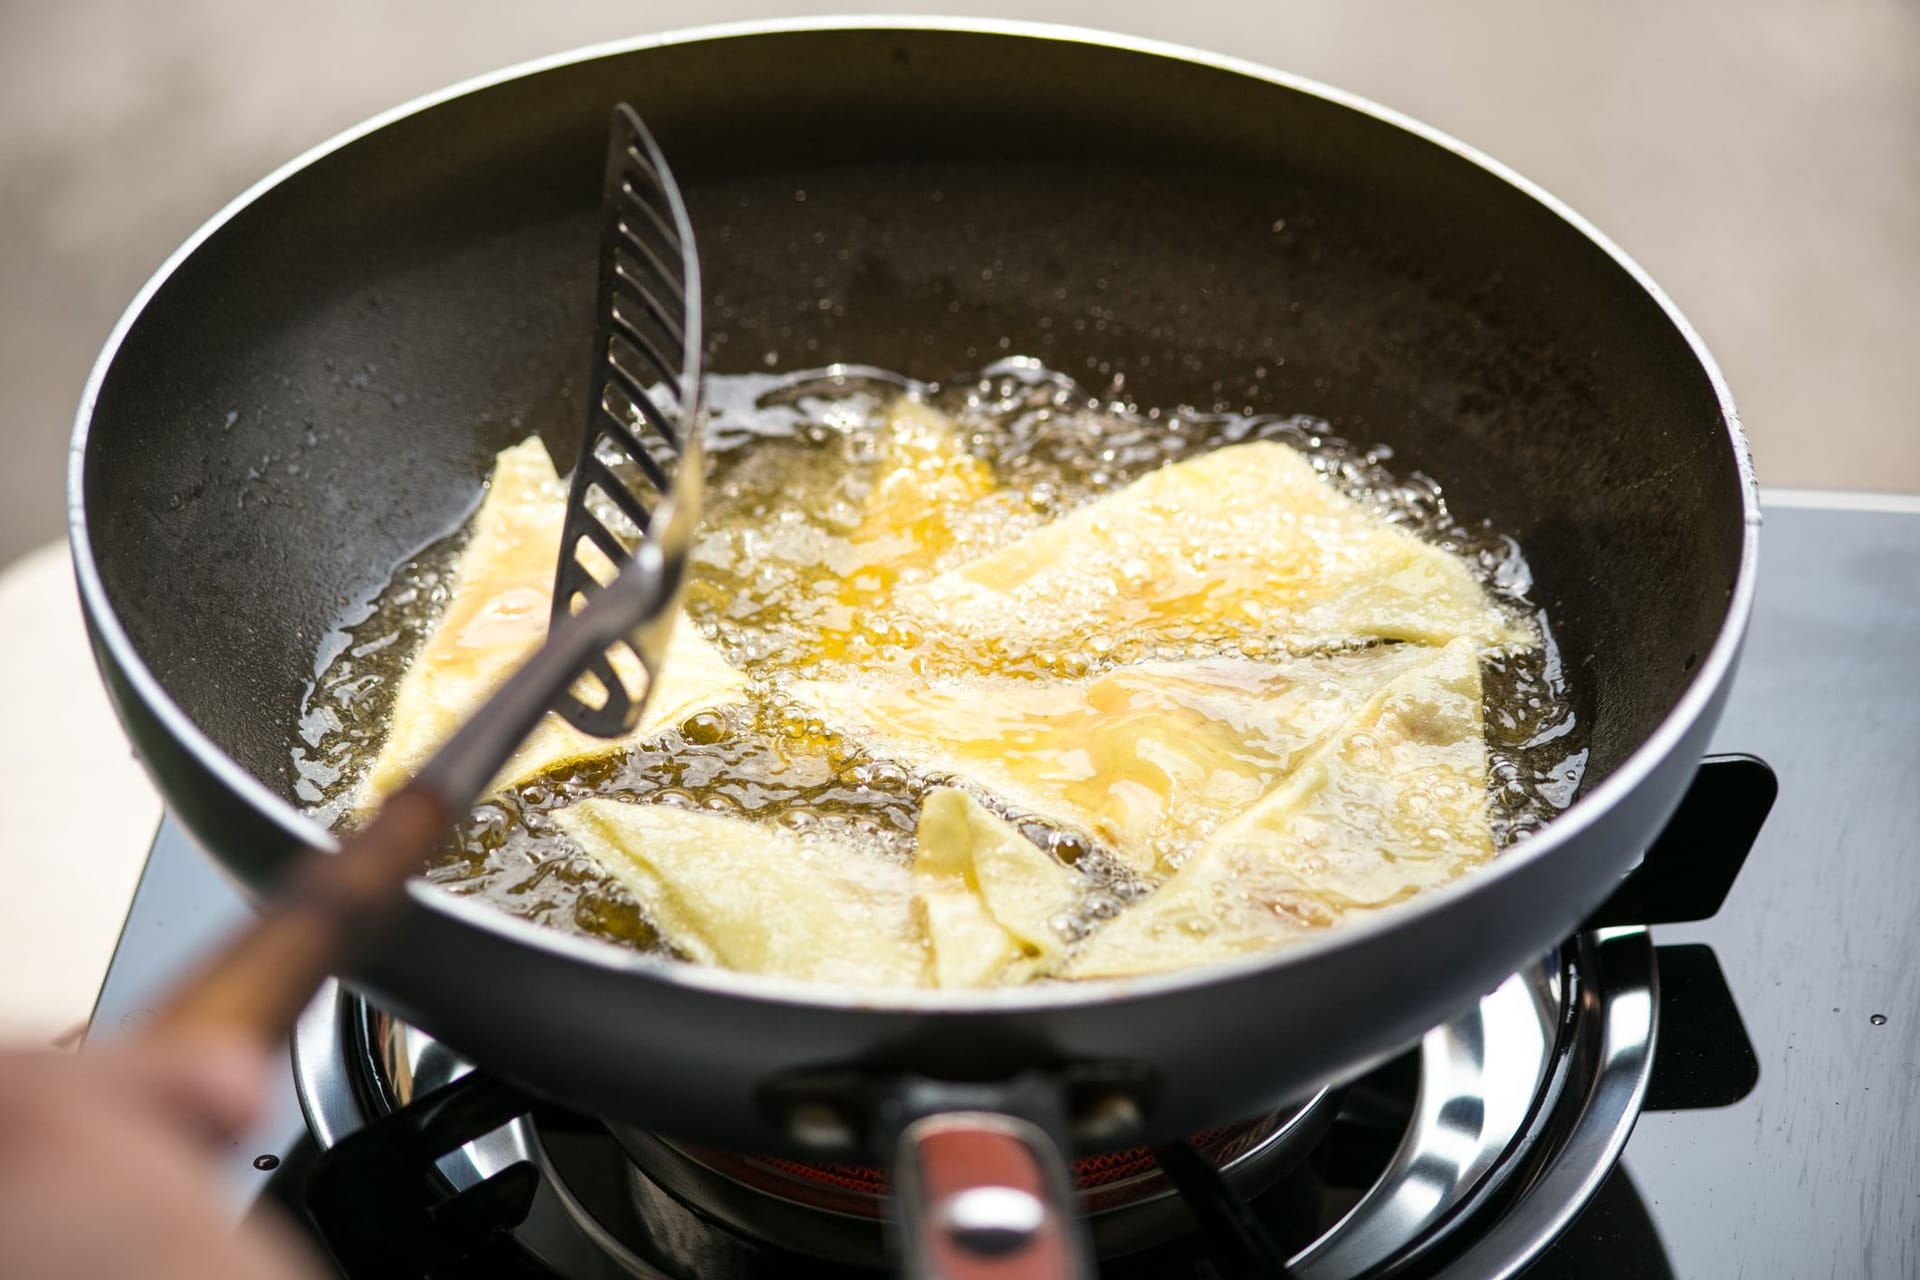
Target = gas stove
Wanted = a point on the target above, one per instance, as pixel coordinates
(1759, 1070)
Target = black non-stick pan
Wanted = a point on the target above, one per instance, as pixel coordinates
(389, 311)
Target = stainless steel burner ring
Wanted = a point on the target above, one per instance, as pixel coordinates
(1486, 1079)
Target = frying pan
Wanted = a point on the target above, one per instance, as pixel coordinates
(315, 385)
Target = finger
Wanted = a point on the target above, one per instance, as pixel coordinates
(213, 1089)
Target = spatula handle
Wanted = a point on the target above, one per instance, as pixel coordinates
(259, 982)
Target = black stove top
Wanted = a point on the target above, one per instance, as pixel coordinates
(1817, 1173)
(1816, 1170)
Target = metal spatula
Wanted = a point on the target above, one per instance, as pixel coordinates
(636, 488)
(632, 510)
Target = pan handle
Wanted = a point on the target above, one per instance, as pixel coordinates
(980, 1195)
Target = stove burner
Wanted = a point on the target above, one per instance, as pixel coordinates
(836, 1210)
(1470, 1153)
(868, 1183)
(1104, 1179)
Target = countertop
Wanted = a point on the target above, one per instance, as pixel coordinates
(85, 814)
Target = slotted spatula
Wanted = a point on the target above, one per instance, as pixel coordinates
(631, 514)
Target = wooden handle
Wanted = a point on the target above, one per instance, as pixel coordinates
(259, 982)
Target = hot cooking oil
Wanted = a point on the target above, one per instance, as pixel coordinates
(780, 581)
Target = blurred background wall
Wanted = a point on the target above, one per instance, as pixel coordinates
(1762, 159)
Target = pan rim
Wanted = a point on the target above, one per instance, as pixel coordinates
(1695, 701)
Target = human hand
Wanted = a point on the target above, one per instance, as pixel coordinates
(106, 1165)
